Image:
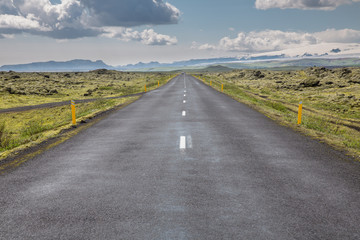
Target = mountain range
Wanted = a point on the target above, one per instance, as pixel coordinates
(52, 66)
(270, 62)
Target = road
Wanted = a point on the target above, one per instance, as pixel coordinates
(183, 162)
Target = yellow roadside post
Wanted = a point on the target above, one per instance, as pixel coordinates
(158, 83)
(300, 113)
(210, 83)
(145, 87)
(73, 112)
(222, 87)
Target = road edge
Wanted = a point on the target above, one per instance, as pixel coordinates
(17, 158)
(347, 153)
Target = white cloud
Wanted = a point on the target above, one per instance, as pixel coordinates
(339, 36)
(265, 41)
(302, 4)
(148, 36)
(20, 22)
(275, 40)
(207, 47)
(85, 18)
(9, 36)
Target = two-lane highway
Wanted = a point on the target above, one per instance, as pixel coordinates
(183, 162)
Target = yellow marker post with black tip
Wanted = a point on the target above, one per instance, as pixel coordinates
(73, 112)
(300, 113)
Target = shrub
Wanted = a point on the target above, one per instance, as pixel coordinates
(33, 128)
(5, 138)
(316, 123)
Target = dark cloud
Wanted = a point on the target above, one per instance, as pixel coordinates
(69, 19)
(130, 12)
(6, 7)
(69, 33)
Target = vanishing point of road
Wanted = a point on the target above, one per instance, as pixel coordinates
(183, 162)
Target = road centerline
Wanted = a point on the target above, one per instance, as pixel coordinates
(182, 142)
(213, 172)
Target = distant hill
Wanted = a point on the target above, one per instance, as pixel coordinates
(198, 65)
(298, 63)
(178, 64)
(52, 66)
(215, 68)
(283, 64)
(265, 62)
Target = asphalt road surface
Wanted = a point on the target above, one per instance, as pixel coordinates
(183, 162)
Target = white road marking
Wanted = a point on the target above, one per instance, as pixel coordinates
(189, 141)
(184, 101)
(184, 113)
(184, 91)
(182, 142)
(184, 95)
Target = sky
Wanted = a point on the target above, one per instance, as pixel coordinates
(121, 32)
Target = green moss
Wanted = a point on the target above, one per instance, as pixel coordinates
(20, 128)
(329, 109)
(35, 88)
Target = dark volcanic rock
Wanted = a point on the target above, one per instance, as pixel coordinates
(310, 83)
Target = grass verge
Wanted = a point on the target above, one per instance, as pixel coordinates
(337, 130)
(19, 131)
(25, 89)
(24, 153)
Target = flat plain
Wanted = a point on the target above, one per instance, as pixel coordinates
(25, 128)
(330, 97)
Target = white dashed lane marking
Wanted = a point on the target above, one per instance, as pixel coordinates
(182, 142)
(183, 113)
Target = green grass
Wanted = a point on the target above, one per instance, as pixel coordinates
(331, 110)
(316, 123)
(5, 139)
(21, 128)
(35, 88)
(33, 128)
(22, 89)
(277, 106)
